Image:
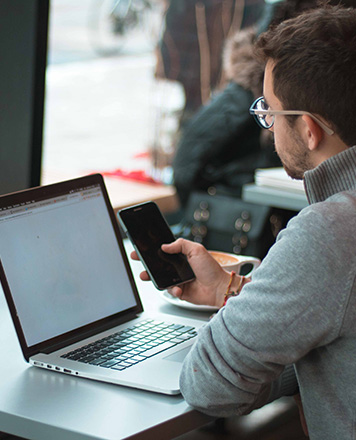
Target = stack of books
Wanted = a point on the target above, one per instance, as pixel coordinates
(277, 178)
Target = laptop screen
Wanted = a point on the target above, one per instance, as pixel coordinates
(62, 262)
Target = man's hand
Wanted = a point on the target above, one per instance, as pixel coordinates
(211, 281)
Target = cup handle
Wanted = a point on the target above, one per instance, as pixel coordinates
(249, 260)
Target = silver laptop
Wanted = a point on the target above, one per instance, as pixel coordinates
(71, 292)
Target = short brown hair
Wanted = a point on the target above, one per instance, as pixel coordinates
(314, 58)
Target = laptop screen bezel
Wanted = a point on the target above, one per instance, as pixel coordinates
(93, 328)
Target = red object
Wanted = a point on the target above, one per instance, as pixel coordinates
(138, 175)
(142, 155)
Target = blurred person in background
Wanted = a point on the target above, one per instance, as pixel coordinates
(221, 145)
(193, 36)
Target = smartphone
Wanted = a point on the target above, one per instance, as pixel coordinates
(147, 229)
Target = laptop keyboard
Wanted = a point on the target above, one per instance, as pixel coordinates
(134, 344)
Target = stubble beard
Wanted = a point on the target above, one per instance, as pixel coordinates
(299, 162)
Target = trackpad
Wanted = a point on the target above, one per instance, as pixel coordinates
(178, 356)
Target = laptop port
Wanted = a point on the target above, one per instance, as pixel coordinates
(67, 371)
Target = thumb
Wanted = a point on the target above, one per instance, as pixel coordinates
(186, 247)
(175, 247)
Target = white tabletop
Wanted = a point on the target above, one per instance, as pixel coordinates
(39, 404)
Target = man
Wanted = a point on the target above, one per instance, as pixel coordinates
(293, 327)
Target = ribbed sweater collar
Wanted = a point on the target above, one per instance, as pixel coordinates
(334, 175)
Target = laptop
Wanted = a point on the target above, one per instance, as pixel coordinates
(72, 296)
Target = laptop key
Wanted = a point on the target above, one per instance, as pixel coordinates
(131, 361)
(108, 364)
(97, 361)
(118, 367)
(118, 352)
(75, 357)
(176, 326)
(120, 359)
(87, 360)
(158, 349)
(177, 340)
(135, 351)
(108, 357)
(185, 329)
(138, 358)
(184, 337)
(123, 364)
(124, 356)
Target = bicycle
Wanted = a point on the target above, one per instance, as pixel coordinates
(112, 23)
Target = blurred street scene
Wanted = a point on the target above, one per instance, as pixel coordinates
(102, 101)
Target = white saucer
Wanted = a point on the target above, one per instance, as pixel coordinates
(184, 304)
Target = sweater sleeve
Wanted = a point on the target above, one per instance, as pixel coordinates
(285, 385)
(241, 357)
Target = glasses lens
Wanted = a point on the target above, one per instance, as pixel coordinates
(261, 105)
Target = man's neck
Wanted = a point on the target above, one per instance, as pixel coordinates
(329, 147)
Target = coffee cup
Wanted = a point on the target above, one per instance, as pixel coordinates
(232, 262)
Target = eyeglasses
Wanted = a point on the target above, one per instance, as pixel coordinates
(265, 117)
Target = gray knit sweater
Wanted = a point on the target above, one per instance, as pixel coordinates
(299, 310)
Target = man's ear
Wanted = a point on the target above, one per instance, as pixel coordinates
(313, 133)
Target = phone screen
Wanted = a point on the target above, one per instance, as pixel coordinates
(148, 230)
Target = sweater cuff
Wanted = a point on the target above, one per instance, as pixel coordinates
(285, 385)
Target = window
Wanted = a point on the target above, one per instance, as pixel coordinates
(101, 94)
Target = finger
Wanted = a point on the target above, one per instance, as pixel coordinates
(134, 255)
(144, 276)
(175, 247)
(183, 246)
(175, 291)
